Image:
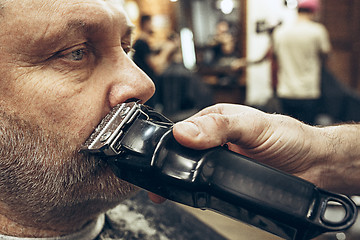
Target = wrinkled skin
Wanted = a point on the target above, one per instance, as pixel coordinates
(327, 156)
(63, 66)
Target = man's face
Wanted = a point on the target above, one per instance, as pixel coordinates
(63, 66)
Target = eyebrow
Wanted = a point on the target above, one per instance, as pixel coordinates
(83, 26)
(87, 28)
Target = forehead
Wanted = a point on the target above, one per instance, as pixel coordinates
(39, 14)
(58, 6)
(30, 26)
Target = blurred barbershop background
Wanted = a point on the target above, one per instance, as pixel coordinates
(201, 52)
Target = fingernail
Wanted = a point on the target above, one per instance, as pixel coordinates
(188, 128)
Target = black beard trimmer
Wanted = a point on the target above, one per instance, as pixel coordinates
(138, 144)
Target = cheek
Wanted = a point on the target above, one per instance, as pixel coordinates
(69, 110)
(73, 116)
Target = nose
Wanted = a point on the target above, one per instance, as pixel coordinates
(130, 83)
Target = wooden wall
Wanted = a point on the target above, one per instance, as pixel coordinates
(342, 19)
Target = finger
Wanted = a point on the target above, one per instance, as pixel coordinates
(192, 133)
(218, 108)
(218, 125)
(224, 109)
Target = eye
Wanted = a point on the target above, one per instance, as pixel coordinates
(127, 47)
(76, 55)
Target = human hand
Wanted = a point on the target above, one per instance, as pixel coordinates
(276, 140)
(238, 64)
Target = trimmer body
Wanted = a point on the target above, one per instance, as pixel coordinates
(138, 144)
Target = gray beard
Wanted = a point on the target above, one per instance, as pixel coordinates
(46, 182)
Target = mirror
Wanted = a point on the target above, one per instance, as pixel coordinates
(219, 35)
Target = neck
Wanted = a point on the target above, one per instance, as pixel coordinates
(12, 228)
(56, 222)
(11, 225)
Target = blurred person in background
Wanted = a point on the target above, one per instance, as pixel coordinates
(223, 42)
(182, 91)
(300, 51)
(152, 61)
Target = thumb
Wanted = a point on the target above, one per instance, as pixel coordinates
(202, 132)
(222, 124)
